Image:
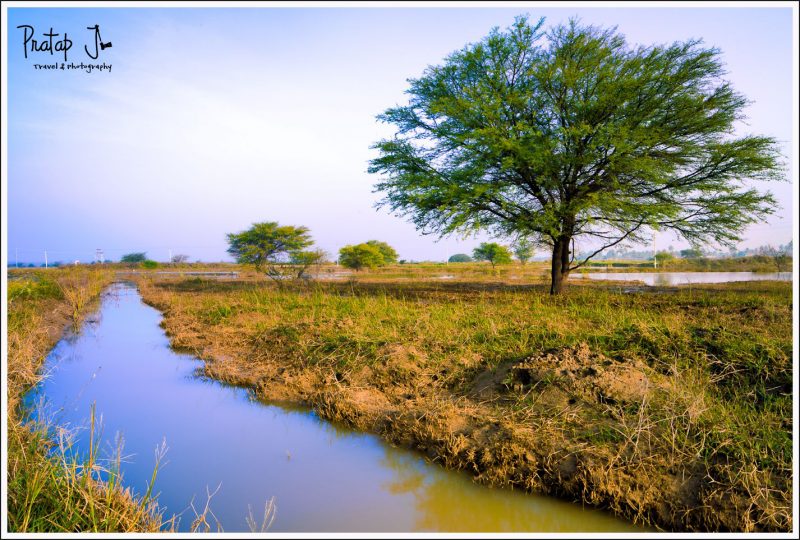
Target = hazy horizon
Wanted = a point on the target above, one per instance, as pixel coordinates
(212, 119)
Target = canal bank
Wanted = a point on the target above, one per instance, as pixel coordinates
(637, 403)
(220, 439)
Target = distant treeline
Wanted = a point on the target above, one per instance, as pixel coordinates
(692, 253)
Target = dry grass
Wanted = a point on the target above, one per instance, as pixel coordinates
(80, 288)
(672, 409)
(49, 488)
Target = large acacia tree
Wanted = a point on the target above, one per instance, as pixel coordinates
(572, 133)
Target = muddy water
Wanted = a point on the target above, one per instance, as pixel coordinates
(323, 477)
(684, 278)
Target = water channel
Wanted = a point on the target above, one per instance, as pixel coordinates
(323, 477)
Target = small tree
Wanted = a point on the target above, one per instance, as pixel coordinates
(266, 245)
(179, 259)
(780, 257)
(492, 252)
(360, 256)
(133, 258)
(303, 260)
(459, 258)
(663, 257)
(523, 249)
(389, 254)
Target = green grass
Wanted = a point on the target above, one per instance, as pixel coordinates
(719, 355)
(50, 489)
(31, 288)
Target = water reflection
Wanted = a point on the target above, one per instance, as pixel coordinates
(447, 501)
(324, 478)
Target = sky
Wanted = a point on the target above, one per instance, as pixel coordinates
(212, 119)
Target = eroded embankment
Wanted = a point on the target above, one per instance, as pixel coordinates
(640, 404)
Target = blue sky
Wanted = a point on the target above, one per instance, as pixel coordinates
(212, 119)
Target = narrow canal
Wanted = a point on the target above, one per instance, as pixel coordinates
(323, 477)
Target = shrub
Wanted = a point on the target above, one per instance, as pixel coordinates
(459, 258)
(360, 256)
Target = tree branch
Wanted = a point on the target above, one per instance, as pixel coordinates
(627, 234)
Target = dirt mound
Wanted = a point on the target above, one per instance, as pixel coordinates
(583, 373)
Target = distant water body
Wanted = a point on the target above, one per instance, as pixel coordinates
(685, 278)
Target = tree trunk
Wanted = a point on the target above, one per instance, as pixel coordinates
(559, 269)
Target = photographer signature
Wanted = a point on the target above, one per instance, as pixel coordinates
(53, 42)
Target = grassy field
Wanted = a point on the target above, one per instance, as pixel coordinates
(49, 489)
(538, 271)
(672, 408)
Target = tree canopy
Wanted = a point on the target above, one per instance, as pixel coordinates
(360, 256)
(459, 258)
(691, 253)
(523, 249)
(137, 257)
(572, 133)
(268, 243)
(388, 252)
(492, 252)
(664, 257)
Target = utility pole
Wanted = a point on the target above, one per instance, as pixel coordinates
(45, 258)
(655, 259)
(16, 258)
(170, 255)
